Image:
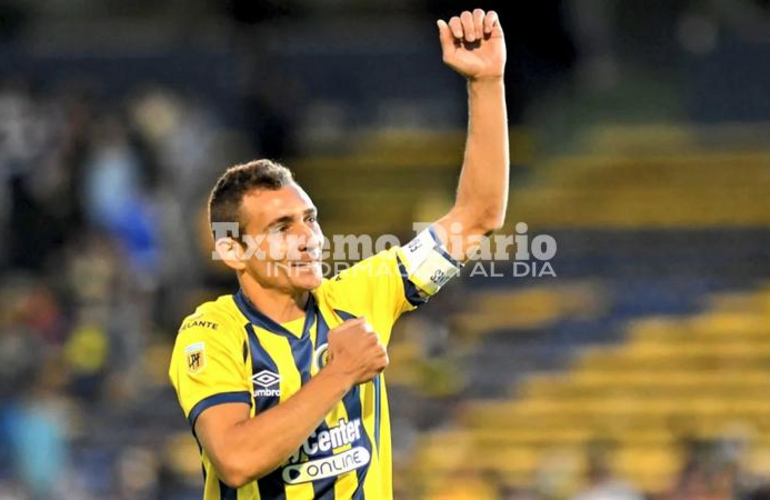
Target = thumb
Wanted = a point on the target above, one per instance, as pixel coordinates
(445, 36)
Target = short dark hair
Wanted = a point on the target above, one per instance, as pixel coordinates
(227, 196)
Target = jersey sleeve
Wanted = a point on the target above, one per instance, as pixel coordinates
(394, 281)
(207, 365)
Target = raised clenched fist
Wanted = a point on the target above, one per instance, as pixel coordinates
(473, 44)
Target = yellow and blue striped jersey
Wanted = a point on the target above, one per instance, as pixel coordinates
(228, 351)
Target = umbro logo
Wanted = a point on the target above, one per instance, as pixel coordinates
(263, 383)
(266, 378)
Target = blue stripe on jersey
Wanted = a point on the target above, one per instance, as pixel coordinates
(410, 289)
(302, 352)
(271, 486)
(261, 360)
(323, 488)
(217, 399)
(226, 492)
(377, 390)
(352, 401)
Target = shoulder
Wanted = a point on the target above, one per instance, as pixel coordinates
(218, 318)
(366, 284)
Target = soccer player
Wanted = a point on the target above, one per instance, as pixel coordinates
(282, 381)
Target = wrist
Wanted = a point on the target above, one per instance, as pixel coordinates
(485, 82)
(343, 380)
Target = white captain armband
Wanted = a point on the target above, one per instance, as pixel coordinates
(427, 263)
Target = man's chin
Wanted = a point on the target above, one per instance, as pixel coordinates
(307, 281)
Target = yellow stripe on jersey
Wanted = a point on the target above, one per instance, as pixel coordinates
(347, 483)
(385, 453)
(372, 485)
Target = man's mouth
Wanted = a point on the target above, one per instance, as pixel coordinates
(303, 264)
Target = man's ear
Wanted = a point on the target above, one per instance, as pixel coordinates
(231, 253)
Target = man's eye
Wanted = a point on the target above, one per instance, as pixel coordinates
(282, 229)
(312, 219)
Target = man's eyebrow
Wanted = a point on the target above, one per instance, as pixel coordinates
(285, 219)
(281, 220)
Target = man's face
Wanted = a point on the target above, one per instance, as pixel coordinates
(287, 237)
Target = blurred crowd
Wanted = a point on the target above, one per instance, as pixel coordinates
(96, 197)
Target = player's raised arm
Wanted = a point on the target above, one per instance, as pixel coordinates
(473, 45)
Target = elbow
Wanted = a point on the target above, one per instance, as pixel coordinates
(495, 224)
(491, 220)
(233, 473)
(236, 471)
(479, 219)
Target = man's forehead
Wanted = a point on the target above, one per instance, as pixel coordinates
(262, 206)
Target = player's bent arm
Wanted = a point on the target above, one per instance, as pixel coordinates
(243, 449)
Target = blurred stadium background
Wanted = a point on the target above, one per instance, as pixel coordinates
(639, 140)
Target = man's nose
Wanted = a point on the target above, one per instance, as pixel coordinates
(308, 239)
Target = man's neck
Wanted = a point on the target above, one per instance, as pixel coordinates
(277, 305)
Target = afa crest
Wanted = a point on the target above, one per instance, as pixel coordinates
(196, 357)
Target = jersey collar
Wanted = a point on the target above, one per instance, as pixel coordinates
(259, 319)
